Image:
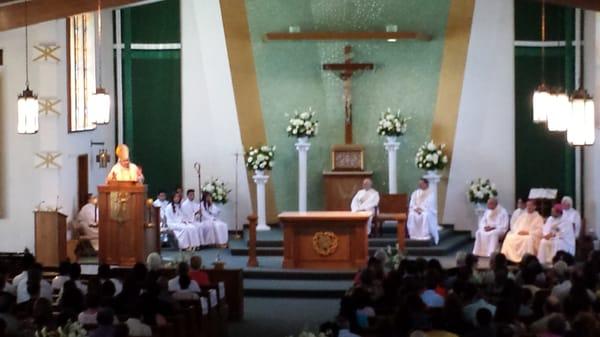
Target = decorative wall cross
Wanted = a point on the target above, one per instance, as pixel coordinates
(48, 105)
(48, 160)
(47, 52)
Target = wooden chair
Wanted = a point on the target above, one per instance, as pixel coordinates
(389, 209)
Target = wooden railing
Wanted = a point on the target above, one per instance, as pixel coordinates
(252, 260)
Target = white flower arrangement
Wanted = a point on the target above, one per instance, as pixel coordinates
(392, 124)
(260, 158)
(217, 189)
(481, 190)
(431, 156)
(70, 329)
(393, 256)
(303, 124)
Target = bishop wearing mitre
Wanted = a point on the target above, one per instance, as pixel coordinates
(124, 170)
(366, 200)
(422, 220)
(525, 234)
(492, 226)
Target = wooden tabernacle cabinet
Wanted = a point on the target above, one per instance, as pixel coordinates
(126, 237)
(50, 237)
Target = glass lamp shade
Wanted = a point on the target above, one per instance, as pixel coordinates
(542, 101)
(582, 128)
(559, 113)
(100, 107)
(27, 113)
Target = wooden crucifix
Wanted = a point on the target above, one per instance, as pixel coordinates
(345, 71)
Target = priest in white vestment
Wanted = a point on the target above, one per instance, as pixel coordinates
(518, 211)
(216, 232)
(492, 227)
(124, 170)
(571, 215)
(557, 234)
(191, 214)
(525, 234)
(366, 200)
(87, 221)
(186, 234)
(422, 222)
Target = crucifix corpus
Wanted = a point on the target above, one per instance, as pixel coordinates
(345, 71)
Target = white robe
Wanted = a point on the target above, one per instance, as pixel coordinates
(365, 201)
(515, 215)
(121, 173)
(564, 239)
(515, 245)
(487, 242)
(572, 216)
(191, 215)
(186, 234)
(215, 231)
(423, 226)
(163, 207)
(87, 222)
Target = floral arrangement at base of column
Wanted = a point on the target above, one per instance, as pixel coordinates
(218, 190)
(431, 157)
(260, 158)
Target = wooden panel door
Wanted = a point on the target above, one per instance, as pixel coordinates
(82, 179)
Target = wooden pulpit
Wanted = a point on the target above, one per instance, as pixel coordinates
(125, 235)
(50, 237)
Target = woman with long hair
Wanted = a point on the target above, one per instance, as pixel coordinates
(186, 234)
(215, 230)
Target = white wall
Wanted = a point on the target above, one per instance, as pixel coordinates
(23, 187)
(210, 128)
(484, 142)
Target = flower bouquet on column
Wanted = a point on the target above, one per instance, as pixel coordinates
(392, 125)
(431, 157)
(218, 190)
(303, 126)
(480, 191)
(260, 159)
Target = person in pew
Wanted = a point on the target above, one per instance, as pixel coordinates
(518, 211)
(422, 223)
(6, 286)
(186, 234)
(27, 262)
(215, 231)
(366, 200)
(524, 235)
(64, 269)
(71, 300)
(134, 322)
(557, 235)
(90, 314)
(196, 273)
(87, 221)
(34, 286)
(191, 215)
(11, 321)
(105, 274)
(106, 327)
(571, 215)
(124, 170)
(182, 282)
(492, 227)
(75, 276)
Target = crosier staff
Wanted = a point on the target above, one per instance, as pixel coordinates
(197, 168)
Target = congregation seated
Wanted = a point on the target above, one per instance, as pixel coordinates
(33, 286)
(90, 314)
(492, 227)
(366, 200)
(422, 223)
(196, 273)
(182, 286)
(64, 269)
(525, 234)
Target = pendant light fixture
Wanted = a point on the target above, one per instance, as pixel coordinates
(27, 103)
(559, 112)
(582, 124)
(542, 98)
(99, 101)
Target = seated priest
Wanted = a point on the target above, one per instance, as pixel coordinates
(518, 211)
(422, 223)
(366, 200)
(186, 234)
(571, 215)
(124, 170)
(525, 234)
(492, 227)
(557, 234)
(87, 221)
(191, 214)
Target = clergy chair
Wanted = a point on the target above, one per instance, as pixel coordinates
(390, 206)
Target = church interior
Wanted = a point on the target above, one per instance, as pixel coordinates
(326, 168)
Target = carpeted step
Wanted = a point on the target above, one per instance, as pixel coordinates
(295, 288)
(298, 274)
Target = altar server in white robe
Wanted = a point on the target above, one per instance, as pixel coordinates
(124, 170)
(571, 215)
(162, 202)
(215, 231)
(191, 214)
(422, 222)
(557, 234)
(525, 234)
(366, 200)
(492, 227)
(87, 221)
(518, 211)
(186, 234)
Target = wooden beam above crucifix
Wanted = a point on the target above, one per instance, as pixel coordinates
(334, 36)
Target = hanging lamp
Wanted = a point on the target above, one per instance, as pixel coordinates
(27, 103)
(559, 112)
(582, 124)
(99, 108)
(542, 98)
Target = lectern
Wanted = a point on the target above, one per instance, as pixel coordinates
(125, 236)
(50, 237)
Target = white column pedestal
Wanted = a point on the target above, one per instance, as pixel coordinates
(391, 146)
(302, 146)
(434, 179)
(260, 179)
